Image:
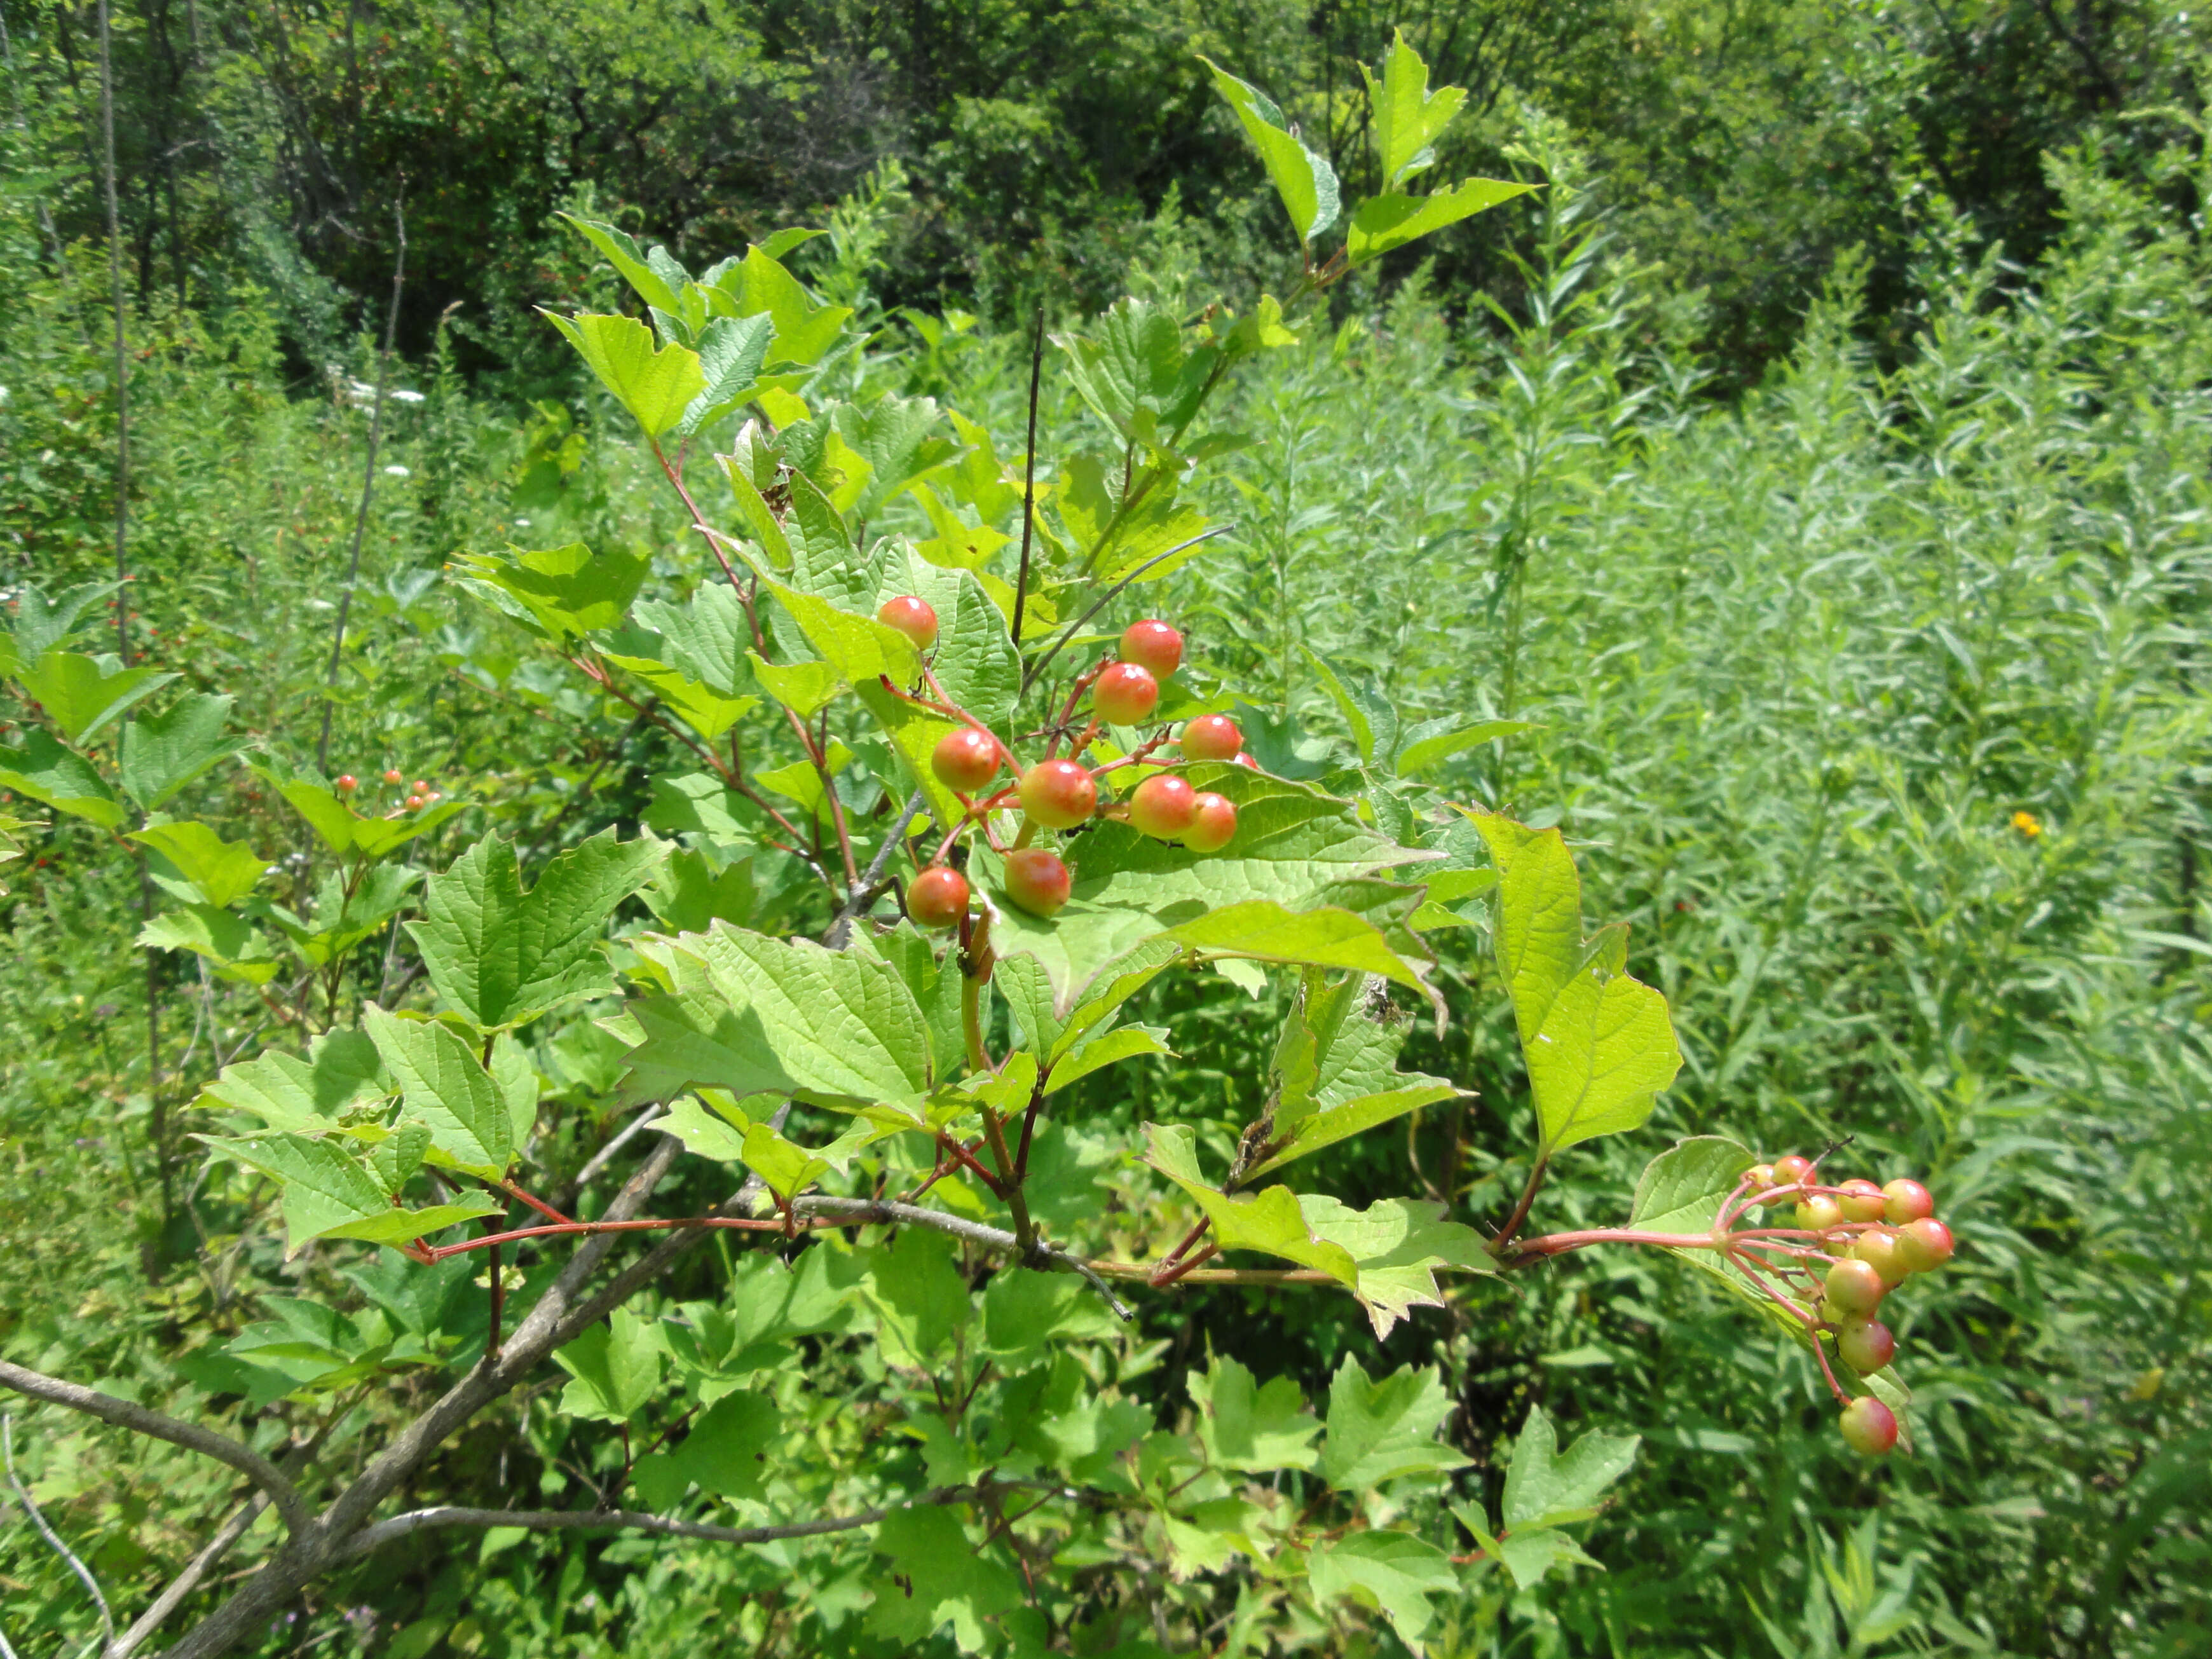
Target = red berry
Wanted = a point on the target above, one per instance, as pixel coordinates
(1153, 645)
(1925, 1244)
(1819, 1212)
(1058, 794)
(1854, 1287)
(1212, 825)
(1246, 760)
(420, 786)
(1865, 1345)
(1037, 880)
(1211, 737)
(1125, 694)
(1869, 1427)
(965, 760)
(912, 617)
(392, 776)
(348, 783)
(1164, 807)
(414, 803)
(1878, 1245)
(1861, 1201)
(1906, 1201)
(938, 897)
(1788, 1171)
(1757, 1179)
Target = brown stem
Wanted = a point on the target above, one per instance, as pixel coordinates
(1161, 1278)
(1527, 1197)
(1024, 1228)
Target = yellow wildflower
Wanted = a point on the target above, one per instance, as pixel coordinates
(2027, 824)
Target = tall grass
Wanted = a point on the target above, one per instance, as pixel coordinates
(1876, 701)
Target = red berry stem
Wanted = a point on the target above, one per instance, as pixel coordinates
(1067, 709)
(1135, 757)
(1820, 1353)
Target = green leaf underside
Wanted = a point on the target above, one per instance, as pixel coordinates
(656, 384)
(444, 1084)
(328, 1192)
(614, 1369)
(1390, 221)
(1305, 180)
(160, 754)
(502, 956)
(308, 1094)
(1386, 1430)
(1270, 1221)
(1408, 117)
(1396, 1245)
(1395, 1571)
(562, 592)
(83, 694)
(1336, 1070)
(53, 776)
(1599, 1045)
(1247, 1426)
(220, 870)
(742, 1011)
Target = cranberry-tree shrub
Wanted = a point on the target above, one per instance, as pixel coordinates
(952, 799)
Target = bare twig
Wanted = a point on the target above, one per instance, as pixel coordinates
(157, 1426)
(1028, 477)
(415, 1521)
(53, 1539)
(1039, 1254)
(869, 888)
(1037, 668)
(600, 1159)
(557, 1317)
(367, 474)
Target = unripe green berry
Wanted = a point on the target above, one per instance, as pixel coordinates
(1861, 1201)
(1819, 1212)
(1878, 1248)
(1869, 1427)
(1854, 1287)
(1865, 1345)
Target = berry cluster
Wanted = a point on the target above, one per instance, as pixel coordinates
(1061, 792)
(419, 794)
(1866, 1241)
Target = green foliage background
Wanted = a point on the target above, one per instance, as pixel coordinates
(1818, 460)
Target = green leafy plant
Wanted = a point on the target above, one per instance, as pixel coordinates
(947, 810)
